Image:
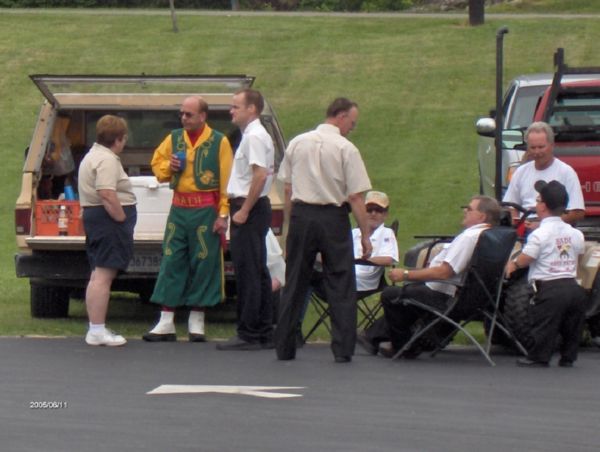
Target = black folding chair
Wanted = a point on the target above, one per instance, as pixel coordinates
(477, 296)
(368, 309)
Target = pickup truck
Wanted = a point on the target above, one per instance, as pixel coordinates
(573, 111)
(57, 264)
(519, 105)
(568, 100)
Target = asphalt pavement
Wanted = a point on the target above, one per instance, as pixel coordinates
(62, 395)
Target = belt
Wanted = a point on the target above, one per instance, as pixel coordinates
(539, 283)
(345, 206)
(196, 199)
(238, 201)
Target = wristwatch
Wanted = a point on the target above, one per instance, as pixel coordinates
(405, 275)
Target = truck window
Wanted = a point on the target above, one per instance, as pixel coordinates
(524, 105)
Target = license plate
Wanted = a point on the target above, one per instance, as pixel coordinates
(145, 263)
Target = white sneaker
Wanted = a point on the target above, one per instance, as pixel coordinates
(107, 338)
(596, 341)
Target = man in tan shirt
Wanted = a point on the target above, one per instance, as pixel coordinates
(324, 178)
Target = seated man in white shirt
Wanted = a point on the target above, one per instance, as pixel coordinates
(434, 285)
(544, 166)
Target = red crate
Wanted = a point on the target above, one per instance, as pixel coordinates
(46, 217)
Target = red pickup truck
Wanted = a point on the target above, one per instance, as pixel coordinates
(573, 111)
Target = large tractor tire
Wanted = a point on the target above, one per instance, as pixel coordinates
(49, 301)
(516, 311)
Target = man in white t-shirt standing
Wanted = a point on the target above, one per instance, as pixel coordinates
(544, 166)
(250, 210)
(557, 306)
(383, 239)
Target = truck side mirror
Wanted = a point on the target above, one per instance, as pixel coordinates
(486, 127)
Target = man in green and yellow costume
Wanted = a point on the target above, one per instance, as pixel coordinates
(191, 270)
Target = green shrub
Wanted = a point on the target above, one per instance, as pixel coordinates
(183, 4)
(385, 5)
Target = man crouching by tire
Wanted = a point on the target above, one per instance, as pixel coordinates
(558, 303)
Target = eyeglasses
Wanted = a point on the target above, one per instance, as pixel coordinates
(186, 114)
(377, 209)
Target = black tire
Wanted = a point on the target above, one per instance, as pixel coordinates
(516, 310)
(49, 302)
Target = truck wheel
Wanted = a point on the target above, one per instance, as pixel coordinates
(516, 311)
(49, 301)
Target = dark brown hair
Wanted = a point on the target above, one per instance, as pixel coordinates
(340, 105)
(253, 97)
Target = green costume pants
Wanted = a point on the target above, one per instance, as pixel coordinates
(191, 270)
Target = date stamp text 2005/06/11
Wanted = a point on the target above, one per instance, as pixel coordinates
(47, 405)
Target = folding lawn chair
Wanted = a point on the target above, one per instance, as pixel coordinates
(368, 309)
(477, 295)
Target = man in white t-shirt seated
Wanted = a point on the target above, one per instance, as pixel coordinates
(383, 239)
(542, 165)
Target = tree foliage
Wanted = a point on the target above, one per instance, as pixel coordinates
(276, 5)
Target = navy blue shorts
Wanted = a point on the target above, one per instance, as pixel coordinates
(109, 244)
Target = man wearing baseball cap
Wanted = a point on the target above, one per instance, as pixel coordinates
(383, 239)
(558, 302)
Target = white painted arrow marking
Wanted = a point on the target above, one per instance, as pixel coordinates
(256, 391)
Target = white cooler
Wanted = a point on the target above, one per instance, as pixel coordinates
(153, 203)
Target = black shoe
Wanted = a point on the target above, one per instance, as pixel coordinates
(526, 362)
(413, 352)
(364, 342)
(153, 337)
(343, 359)
(565, 362)
(193, 337)
(286, 357)
(235, 343)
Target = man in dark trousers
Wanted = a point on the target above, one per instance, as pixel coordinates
(558, 302)
(248, 189)
(324, 178)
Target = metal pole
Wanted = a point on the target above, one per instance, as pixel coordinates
(499, 113)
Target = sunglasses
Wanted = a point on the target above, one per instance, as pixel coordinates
(377, 209)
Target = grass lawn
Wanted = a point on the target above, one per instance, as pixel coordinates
(546, 6)
(420, 83)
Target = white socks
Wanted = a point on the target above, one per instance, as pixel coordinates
(166, 324)
(196, 322)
